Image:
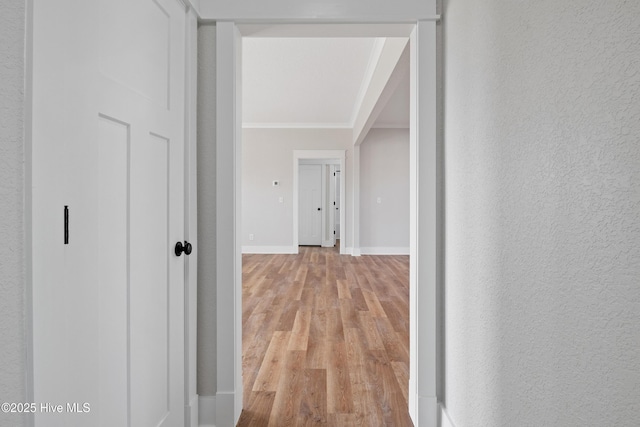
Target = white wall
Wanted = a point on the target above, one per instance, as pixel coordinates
(267, 155)
(12, 228)
(384, 174)
(542, 201)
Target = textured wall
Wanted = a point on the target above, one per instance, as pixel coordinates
(12, 265)
(207, 211)
(542, 176)
(384, 173)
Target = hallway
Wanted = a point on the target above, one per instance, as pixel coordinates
(325, 339)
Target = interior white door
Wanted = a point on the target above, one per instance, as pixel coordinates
(310, 205)
(330, 206)
(337, 205)
(108, 120)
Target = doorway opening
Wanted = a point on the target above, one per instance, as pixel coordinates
(425, 204)
(324, 165)
(345, 165)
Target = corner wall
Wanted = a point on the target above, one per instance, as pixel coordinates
(12, 219)
(384, 175)
(542, 202)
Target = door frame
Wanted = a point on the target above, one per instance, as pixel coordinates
(191, 219)
(425, 372)
(331, 210)
(316, 155)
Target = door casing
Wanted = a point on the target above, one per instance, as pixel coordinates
(335, 155)
(425, 376)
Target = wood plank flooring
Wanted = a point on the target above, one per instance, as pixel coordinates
(325, 339)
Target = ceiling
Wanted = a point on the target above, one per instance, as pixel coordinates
(313, 82)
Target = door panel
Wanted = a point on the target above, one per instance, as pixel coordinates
(150, 256)
(120, 51)
(310, 199)
(110, 330)
(113, 253)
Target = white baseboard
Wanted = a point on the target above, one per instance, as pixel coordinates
(207, 411)
(192, 411)
(269, 250)
(353, 251)
(392, 250)
(225, 409)
(426, 410)
(445, 420)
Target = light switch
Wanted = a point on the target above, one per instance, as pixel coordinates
(379, 200)
(280, 199)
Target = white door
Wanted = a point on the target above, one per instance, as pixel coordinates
(330, 207)
(310, 205)
(108, 123)
(337, 204)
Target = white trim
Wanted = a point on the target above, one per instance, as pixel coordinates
(225, 411)
(402, 29)
(195, 5)
(193, 411)
(387, 76)
(374, 58)
(388, 250)
(445, 419)
(317, 154)
(191, 217)
(296, 126)
(334, 162)
(306, 12)
(382, 125)
(207, 411)
(424, 227)
(413, 229)
(191, 5)
(355, 213)
(269, 249)
(427, 412)
(331, 210)
(228, 208)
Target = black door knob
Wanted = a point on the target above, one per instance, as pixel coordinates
(180, 248)
(318, 208)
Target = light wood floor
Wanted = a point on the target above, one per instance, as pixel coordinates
(325, 339)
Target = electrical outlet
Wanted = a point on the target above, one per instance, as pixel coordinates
(379, 200)
(251, 236)
(281, 199)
